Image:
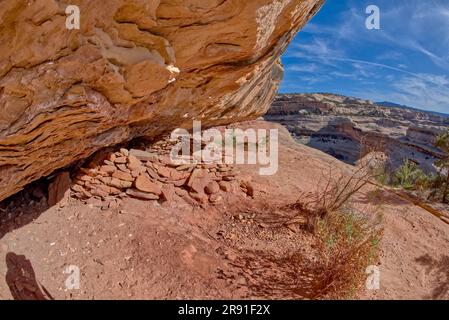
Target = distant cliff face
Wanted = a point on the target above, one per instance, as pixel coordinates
(423, 134)
(135, 67)
(347, 128)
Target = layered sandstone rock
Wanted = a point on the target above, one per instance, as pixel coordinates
(135, 67)
(349, 128)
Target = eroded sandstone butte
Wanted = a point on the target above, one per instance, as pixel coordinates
(134, 68)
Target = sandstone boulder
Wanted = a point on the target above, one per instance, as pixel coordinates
(123, 176)
(212, 187)
(143, 155)
(141, 195)
(143, 183)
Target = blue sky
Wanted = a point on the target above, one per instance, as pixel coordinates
(406, 61)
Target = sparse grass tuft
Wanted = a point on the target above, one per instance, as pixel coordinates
(347, 245)
(407, 175)
(336, 194)
(347, 240)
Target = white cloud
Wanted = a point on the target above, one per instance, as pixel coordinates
(390, 68)
(416, 92)
(316, 47)
(418, 26)
(411, 91)
(414, 25)
(390, 55)
(306, 68)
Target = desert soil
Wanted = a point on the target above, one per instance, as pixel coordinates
(233, 249)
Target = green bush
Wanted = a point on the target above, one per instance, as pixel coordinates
(443, 164)
(407, 175)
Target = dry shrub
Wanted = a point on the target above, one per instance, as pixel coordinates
(342, 246)
(337, 192)
(347, 240)
(347, 243)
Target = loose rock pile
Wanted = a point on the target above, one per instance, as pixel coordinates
(151, 175)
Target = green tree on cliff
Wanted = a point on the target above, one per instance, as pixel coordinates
(443, 164)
